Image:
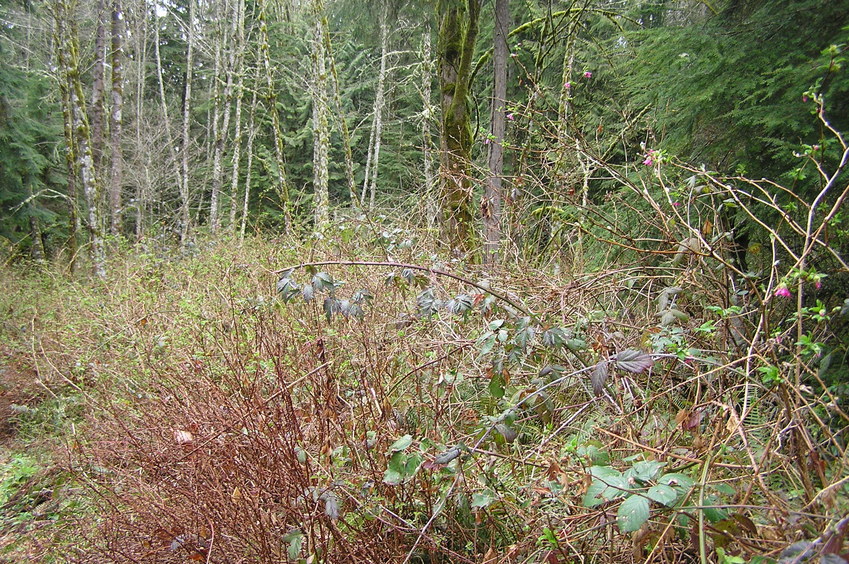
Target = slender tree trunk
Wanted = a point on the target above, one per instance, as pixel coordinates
(176, 158)
(491, 203)
(143, 187)
(221, 134)
(67, 56)
(186, 146)
(98, 72)
(240, 94)
(430, 197)
(340, 111)
(321, 126)
(379, 104)
(271, 102)
(70, 161)
(115, 118)
(250, 150)
(457, 35)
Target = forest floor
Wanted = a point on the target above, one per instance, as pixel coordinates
(216, 407)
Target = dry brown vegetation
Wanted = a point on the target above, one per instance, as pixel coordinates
(205, 416)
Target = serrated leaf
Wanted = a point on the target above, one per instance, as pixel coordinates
(482, 499)
(663, 494)
(633, 512)
(486, 342)
(678, 480)
(331, 306)
(633, 361)
(295, 540)
(576, 345)
(646, 470)
(507, 432)
(392, 477)
(593, 495)
(322, 281)
(496, 385)
(555, 337)
(667, 318)
(307, 293)
(287, 288)
(599, 376)
(331, 505)
(402, 443)
(460, 305)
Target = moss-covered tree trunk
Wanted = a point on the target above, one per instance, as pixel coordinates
(321, 124)
(491, 203)
(115, 118)
(458, 32)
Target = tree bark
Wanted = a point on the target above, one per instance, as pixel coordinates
(115, 118)
(370, 181)
(431, 201)
(250, 150)
(79, 143)
(271, 102)
(239, 43)
(186, 146)
(321, 127)
(457, 35)
(98, 72)
(491, 203)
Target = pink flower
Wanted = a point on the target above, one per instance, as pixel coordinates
(588, 74)
(804, 98)
(510, 117)
(783, 292)
(486, 141)
(817, 284)
(567, 86)
(676, 204)
(648, 161)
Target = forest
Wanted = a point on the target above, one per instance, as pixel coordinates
(420, 281)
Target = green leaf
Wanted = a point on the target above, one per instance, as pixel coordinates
(633, 512)
(646, 470)
(482, 499)
(496, 385)
(593, 495)
(663, 494)
(295, 540)
(679, 480)
(401, 443)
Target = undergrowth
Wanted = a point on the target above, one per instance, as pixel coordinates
(317, 401)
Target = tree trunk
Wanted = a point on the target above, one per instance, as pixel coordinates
(143, 187)
(379, 103)
(457, 35)
(240, 94)
(430, 197)
(176, 157)
(250, 150)
(491, 203)
(221, 133)
(340, 111)
(115, 120)
(271, 102)
(98, 72)
(67, 56)
(321, 127)
(186, 147)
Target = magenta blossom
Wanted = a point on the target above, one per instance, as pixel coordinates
(804, 98)
(510, 116)
(783, 292)
(817, 284)
(588, 74)
(567, 86)
(648, 161)
(676, 204)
